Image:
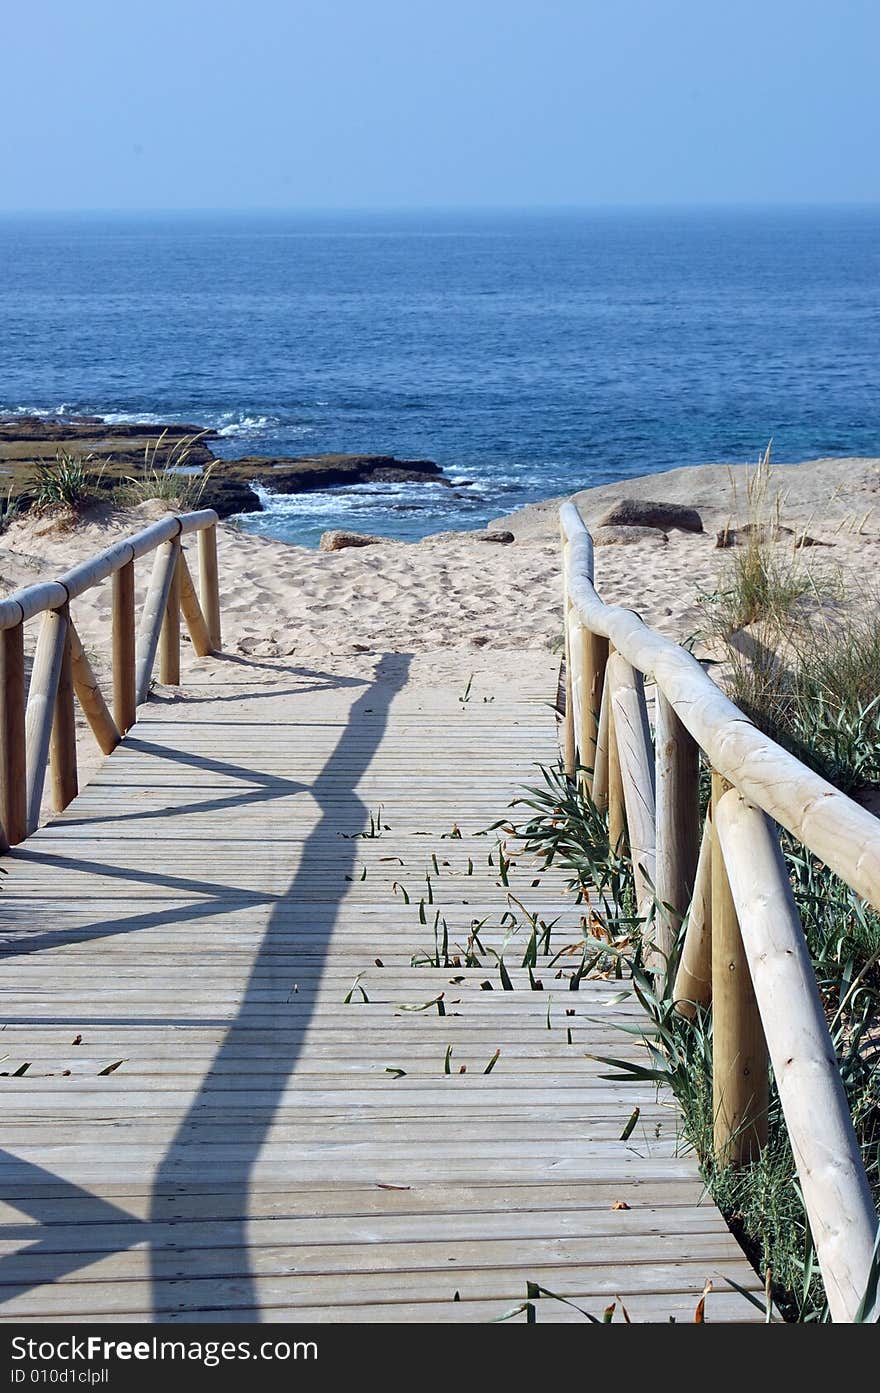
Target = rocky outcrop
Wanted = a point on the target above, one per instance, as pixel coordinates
(230, 485)
(118, 453)
(641, 512)
(40, 430)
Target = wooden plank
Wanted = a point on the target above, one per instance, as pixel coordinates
(190, 916)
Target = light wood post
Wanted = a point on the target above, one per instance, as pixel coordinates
(209, 587)
(594, 656)
(836, 1192)
(164, 566)
(616, 810)
(12, 747)
(635, 758)
(124, 703)
(62, 744)
(192, 610)
(678, 820)
(693, 982)
(90, 697)
(169, 641)
(739, 1050)
(599, 789)
(569, 753)
(40, 715)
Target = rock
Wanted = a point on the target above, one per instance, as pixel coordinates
(608, 536)
(803, 540)
(505, 538)
(640, 512)
(260, 647)
(21, 429)
(761, 533)
(338, 541)
(747, 531)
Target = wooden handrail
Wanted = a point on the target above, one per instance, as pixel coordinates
(744, 949)
(41, 731)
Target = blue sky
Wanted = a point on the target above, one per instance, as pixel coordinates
(436, 103)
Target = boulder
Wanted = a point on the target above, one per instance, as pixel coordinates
(338, 541)
(607, 536)
(640, 512)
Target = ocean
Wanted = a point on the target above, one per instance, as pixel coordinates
(528, 353)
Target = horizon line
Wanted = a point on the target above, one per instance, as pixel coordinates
(380, 210)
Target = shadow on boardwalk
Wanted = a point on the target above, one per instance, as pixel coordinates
(195, 1140)
(192, 1150)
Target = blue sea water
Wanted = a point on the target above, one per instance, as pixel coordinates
(529, 353)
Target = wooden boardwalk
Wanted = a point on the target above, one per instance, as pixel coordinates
(197, 1126)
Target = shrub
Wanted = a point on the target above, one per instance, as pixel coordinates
(66, 482)
(164, 475)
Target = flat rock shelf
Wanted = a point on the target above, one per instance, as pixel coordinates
(216, 1106)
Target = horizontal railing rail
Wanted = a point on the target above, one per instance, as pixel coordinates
(744, 952)
(37, 720)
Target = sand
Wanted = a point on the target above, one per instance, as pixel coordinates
(460, 605)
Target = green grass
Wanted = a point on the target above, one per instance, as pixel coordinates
(161, 476)
(11, 507)
(68, 482)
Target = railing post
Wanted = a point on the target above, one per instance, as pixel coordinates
(62, 744)
(90, 697)
(569, 752)
(12, 734)
(124, 701)
(594, 657)
(192, 610)
(209, 587)
(599, 787)
(740, 1085)
(678, 820)
(693, 981)
(40, 715)
(616, 805)
(837, 1196)
(169, 641)
(152, 619)
(635, 756)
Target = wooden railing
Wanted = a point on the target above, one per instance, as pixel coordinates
(744, 949)
(38, 729)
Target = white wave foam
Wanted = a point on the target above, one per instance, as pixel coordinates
(231, 423)
(127, 418)
(356, 500)
(41, 413)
